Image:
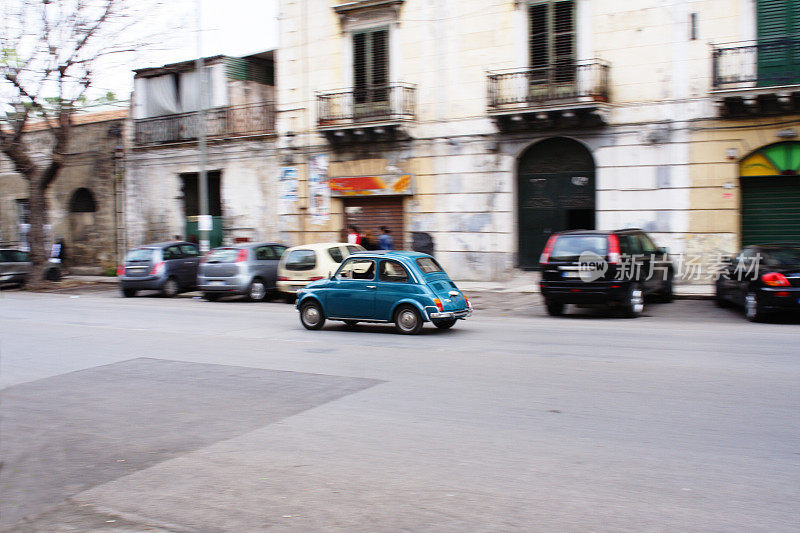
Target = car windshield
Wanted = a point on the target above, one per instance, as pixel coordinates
(428, 265)
(139, 254)
(301, 260)
(570, 247)
(782, 257)
(222, 255)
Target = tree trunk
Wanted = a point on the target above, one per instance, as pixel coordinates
(38, 254)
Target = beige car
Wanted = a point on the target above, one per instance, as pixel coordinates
(301, 265)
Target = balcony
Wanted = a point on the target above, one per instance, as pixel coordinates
(373, 114)
(756, 79)
(573, 95)
(221, 123)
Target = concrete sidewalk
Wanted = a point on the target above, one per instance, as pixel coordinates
(526, 283)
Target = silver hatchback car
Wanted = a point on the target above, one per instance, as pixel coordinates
(14, 267)
(248, 269)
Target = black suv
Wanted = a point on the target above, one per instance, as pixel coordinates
(617, 268)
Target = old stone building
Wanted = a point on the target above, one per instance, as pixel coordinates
(487, 125)
(84, 204)
(163, 163)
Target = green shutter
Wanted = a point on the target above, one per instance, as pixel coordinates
(770, 209)
(779, 42)
(551, 41)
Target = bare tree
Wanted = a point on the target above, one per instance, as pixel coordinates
(50, 51)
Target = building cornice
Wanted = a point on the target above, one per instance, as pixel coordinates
(358, 5)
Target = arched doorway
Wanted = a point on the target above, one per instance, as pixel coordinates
(82, 207)
(770, 188)
(555, 192)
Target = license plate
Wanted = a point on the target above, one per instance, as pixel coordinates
(570, 274)
(216, 283)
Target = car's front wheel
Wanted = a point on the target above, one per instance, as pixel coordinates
(407, 320)
(257, 291)
(447, 323)
(753, 310)
(311, 315)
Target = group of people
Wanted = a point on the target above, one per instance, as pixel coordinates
(366, 239)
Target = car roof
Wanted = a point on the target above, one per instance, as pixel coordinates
(598, 231)
(250, 245)
(319, 246)
(392, 253)
(162, 244)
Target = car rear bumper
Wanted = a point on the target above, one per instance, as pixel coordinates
(444, 315)
(229, 285)
(292, 286)
(17, 277)
(779, 298)
(585, 293)
(141, 282)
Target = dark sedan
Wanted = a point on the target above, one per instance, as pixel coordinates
(764, 279)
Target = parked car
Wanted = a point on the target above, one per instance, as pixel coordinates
(616, 268)
(407, 288)
(14, 267)
(249, 269)
(168, 267)
(301, 265)
(764, 279)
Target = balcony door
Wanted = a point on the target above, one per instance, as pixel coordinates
(551, 33)
(371, 73)
(778, 42)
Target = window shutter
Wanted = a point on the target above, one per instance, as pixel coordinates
(779, 41)
(380, 65)
(360, 67)
(551, 34)
(539, 56)
(564, 42)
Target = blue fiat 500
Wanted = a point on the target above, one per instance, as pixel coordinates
(407, 288)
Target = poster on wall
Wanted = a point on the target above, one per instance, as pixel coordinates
(319, 193)
(288, 189)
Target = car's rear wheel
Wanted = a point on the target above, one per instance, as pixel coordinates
(170, 288)
(445, 324)
(311, 315)
(634, 304)
(129, 293)
(257, 291)
(554, 308)
(211, 296)
(753, 310)
(407, 320)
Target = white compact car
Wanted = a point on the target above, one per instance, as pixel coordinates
(303, 264)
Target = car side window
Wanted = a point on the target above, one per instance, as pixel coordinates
(189, 251)
(357, 269)
(392, 271)
(173, 252)
(265, 253)
(336, 254)
(647, 245)
(630, 245)
(278, 251)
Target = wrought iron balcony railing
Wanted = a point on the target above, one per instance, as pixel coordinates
(553, 84)
(764, 64)
(221, 122)
(395, 102)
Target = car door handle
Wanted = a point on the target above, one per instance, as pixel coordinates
(371, 286)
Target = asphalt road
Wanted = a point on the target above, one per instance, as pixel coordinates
(150, 414)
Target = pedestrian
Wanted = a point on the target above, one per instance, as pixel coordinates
(385, 239)
(368, 241)
(353, 236)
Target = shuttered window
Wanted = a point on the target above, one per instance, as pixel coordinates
(371, 66)
(552, 41)
(779, 42)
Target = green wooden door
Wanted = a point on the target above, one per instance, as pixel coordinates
(778, 42)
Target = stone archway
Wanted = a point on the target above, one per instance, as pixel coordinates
(82, 209)
(555, 192)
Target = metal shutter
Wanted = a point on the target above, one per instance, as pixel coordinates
(770, 209)
(372, 213)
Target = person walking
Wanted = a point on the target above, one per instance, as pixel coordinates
(368, 241)
(353, 236)
(385, 239)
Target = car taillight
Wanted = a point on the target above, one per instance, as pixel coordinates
(613, 249)
(158, 268)
(545, 257)
(775, 279)
(241, 256)
(283, 278)
(438, 303)
(120, 270)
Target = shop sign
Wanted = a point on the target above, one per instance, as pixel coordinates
(371, 185)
